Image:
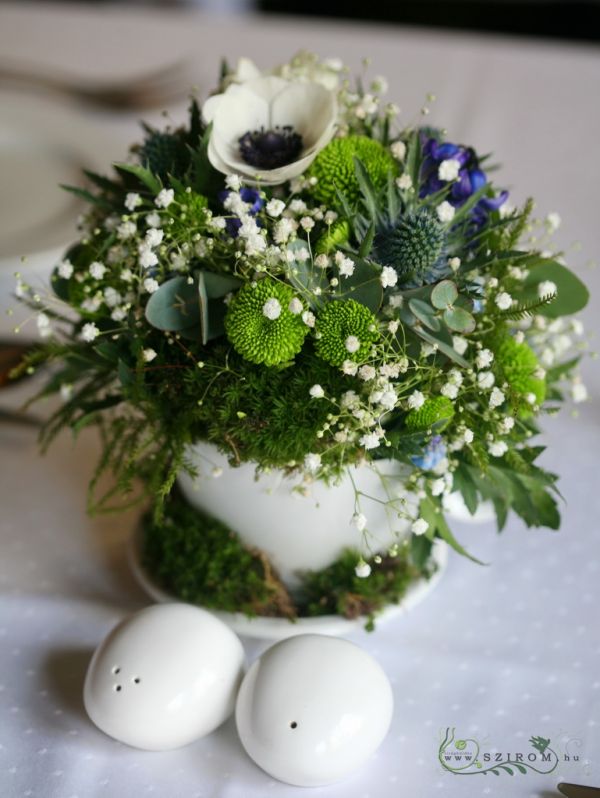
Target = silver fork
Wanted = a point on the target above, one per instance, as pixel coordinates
(150, 90)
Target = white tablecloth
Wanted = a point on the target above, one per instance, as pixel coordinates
(502, 652)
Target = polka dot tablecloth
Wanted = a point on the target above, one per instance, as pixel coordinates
(501, 653)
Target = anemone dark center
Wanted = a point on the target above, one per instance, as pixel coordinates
(269, 149)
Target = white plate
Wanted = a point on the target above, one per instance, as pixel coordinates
(280, 628)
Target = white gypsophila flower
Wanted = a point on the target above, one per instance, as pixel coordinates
(268, 104)
(459, 344)
(295, 306)
(316, 391)
(415, 400)
(153, 237)
(312, 462)
(360, 521)
(367, 373)
(497, 448)
(519, 336)
(485, 380)
(150, 285)
(454, 264)
(309, 318)
(153, 219)
(449, 390)
(419, 527)
(132, 201)
(445, 212)
(493, 282)
(43, 325)
(553, 221)
(388, 398)
(346, 267)
(178, 261)
(393, 326)
(97, 270)
(505, 425)
(396, 301)
(275, 207)
(388, 277)
(148, 355)
(379, 84)
(112, 297)
(126, 275)
(398, 150)
(577, 327)
(352, 344)
(404, 182)
(297, 206)
(455, 377)
(306, 223)
(484, 358)
(468, 435)
(217, 223)
(438, 486)
(579, 392)
(164, 198)
(233, 182)
(283, 229)
(66, 391)
(126, 230)
(321, 261)
(65, 269)
(216, 472)
(448, 170)
(272, 308)
(349, 367)
(362, 569)
(371, 440)
(119, 314)
(89, 332)
(497, 397)
(503, 300)
(349, 399)
(147, 258)
(91, 304)
(547, 288)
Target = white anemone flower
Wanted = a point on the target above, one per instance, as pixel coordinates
(269, 130)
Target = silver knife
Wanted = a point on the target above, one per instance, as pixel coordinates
(578, 790)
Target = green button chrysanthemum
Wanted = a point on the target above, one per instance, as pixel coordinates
(345, 330)
(517, 364)
(335, 236)
(437, 409)
(264, 322)
(334, 167)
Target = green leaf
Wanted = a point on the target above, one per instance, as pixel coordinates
(420, 550)
(572, 294)
(444, 294)
(430, 511)
(424, 313)
(87, 196)
(125, 374)
(392, 198)
(459, 319)
(175, 305)
(463, 483)
(364, 285)
(144, 175)
(366, 186)
(367, 242)
(412, 163)
(444, 347)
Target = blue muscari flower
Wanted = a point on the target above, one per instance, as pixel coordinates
(470, 178)
(250, 195)
(433, 454)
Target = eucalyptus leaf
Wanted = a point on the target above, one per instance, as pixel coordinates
(175, 305)
(444, 294)
(424, 313)
(572, 295)
(459, 319)
(444, 347)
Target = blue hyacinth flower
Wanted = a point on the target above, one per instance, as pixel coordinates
(433, 454)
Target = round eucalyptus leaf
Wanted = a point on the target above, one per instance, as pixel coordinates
(444, 294)
(174, 306)
(459, 319)
(425, 313)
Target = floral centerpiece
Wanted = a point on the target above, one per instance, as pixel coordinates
(307, 285)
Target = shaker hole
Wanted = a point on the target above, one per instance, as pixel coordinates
(293, 725)
(118, 688)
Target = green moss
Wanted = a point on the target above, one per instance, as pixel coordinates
(201, 561)
(434, 410)
(259, 335)
(345, 330)
(334, 168)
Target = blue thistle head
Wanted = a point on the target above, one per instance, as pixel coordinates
(415, 246)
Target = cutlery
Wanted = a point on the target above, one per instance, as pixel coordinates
(578, 790)
(153, 89)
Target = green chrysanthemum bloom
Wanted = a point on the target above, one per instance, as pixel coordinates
(437, 409)
(164, 154)
(415, 247)
(517, 364)
(334, 167)
(335, 236)
(264, 322)
(345, 330)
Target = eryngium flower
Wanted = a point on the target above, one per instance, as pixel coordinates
(345, 330)
(415, 246)
(260, 324)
